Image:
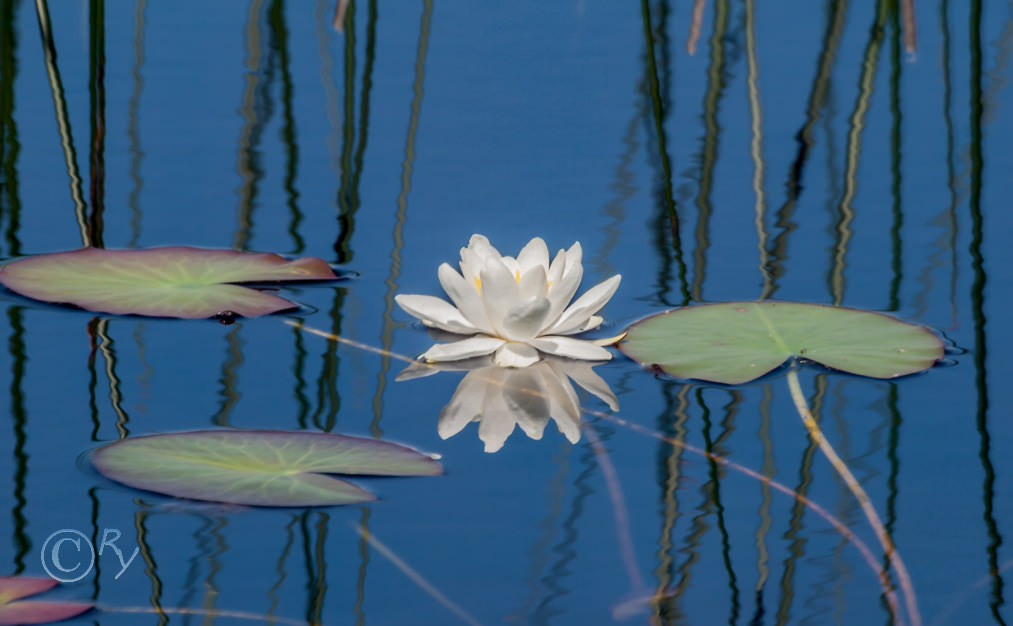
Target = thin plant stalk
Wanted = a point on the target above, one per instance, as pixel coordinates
(855, 487)
(881, 575)
(907, 14)
(207, 613)
(849, 535)
(415, 577)
(694, 27)
(619, 510)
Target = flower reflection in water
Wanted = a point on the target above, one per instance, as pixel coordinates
(500, 398)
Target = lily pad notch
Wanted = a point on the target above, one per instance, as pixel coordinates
(271, 468)
(175, 281)
(737, 342)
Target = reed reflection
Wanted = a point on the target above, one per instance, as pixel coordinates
(503, 398)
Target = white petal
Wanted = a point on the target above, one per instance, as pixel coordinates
(466, 297)
(435, 312)
(500, 292)
(511, 264)
(525, 320)
(567, 415)
(533, 428)
(574, 257)
(480, 245)
(494, 430)
(580, 312)
(473, 257)
(526, 400)
(565, 407)
(464, 407)
(497, 417)
(582, 373)
(571, 348)
(569, 427)
(555, 271)
(564, 404)
(478, 345)
(515, 355)
(417, 369)
(562, 289)
(534, 254)
(593, 322)
(534, 283)
(471, 265)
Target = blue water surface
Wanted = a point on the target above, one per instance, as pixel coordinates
(830, 152)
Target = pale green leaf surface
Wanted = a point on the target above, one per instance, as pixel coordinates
(176, 281)
(258, 468)
(736, 342)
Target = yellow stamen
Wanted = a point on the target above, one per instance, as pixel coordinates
(478, 283)
(518, 276)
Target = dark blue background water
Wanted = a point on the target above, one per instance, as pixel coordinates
(807, 155)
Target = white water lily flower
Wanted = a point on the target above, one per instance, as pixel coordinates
(501, 399)
(513, 308)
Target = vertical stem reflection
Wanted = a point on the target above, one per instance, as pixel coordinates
(672, 422)
(897, 247)
(655, 93)
(756, 150)
(62, 121)
(716, 84)
(150, 566)
(10, 148)
(133, 127)
(19, 359)
(254, 109)
(846, 212)
(769, 469)
(97, 93)
(836, 13)
(978, 290)
(401, 213)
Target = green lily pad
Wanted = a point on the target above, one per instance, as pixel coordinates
(14, 610)
(736, 342)
(176, 281)
(258, 467)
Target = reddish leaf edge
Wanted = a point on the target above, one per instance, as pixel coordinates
(326, 274)
(318, 264)
(15, 610)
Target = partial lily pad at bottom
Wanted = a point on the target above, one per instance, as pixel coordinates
(176, 281)
(736, 342)
(14, 610)
(258, 467)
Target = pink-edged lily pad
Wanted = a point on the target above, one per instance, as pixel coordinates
(736, 342)
(258, 467)
(14, 610)
(176, 281)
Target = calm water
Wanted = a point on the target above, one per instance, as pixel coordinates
(806, 154)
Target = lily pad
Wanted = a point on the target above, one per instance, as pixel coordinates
(258, 467)
(14, 610)
(736, 342)
(177, 281)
